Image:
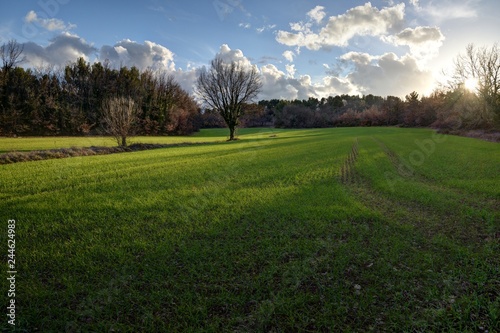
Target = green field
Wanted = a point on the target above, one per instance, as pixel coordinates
(24, 144)
(328, 230)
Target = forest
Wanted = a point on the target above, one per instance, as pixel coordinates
(70, 101)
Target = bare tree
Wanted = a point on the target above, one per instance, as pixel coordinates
(483, 65)
(120, 115)
(226, 87)
(10, 53)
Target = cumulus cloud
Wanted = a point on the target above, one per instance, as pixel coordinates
(419, 35)
(66, 48)
(51, 24)
(290, 69)
(363, 20)
(228, 55)
(382, 75)
(61, 50)
(387, 74)
(335, 85)
(278, 84)
(146, 55)
(186, 79)
(317, 14)
(288, 55)
(424, 42)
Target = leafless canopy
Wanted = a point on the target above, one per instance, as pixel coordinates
(10, 53)
(226, 87)
(120, 115)
(482, 64)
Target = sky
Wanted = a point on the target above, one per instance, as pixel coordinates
(302, 48)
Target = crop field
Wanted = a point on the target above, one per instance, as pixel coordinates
(24, 144)
(325, 230)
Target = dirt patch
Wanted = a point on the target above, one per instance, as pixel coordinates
(37, 155)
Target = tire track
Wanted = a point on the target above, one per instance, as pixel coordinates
(393, 157)
(348, 174)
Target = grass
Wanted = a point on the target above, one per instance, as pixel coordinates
(23, 144)
(351, 229)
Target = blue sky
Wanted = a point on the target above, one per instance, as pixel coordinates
(302, 48)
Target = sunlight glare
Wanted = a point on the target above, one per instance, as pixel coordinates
(471, 84)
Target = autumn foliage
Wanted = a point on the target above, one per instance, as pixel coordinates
(70, 101)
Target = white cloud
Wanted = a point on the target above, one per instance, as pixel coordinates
(245, 25)
(31, 17)
(382, 75)
(52, 24)
(67, 48)
(288, 55)
(186, 79)
(387, 74)
(445, 10)
(228, 55)
(419, 35)
(424, 42)
(334, 85)
(359, 21)
(277, 84)
(130, 53)
(298, 26)
(61, 50)
(358, 57)
(290, 70)
(265, 28)
(317, 14)
(415, 3)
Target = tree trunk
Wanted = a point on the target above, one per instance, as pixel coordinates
(124, 141)
(231, 132)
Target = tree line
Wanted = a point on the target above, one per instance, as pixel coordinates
(73, 101)
(89, 99)
(452, 109)
(455, 106)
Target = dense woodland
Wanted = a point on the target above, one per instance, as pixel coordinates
(70, 102)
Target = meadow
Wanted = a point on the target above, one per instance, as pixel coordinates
(324, 230)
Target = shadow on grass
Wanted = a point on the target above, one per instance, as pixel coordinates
(38, 155)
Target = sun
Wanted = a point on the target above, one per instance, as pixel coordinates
(471, 84)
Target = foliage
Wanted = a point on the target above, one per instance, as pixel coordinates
(454, 108)
(45, 101)
(50, 102)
